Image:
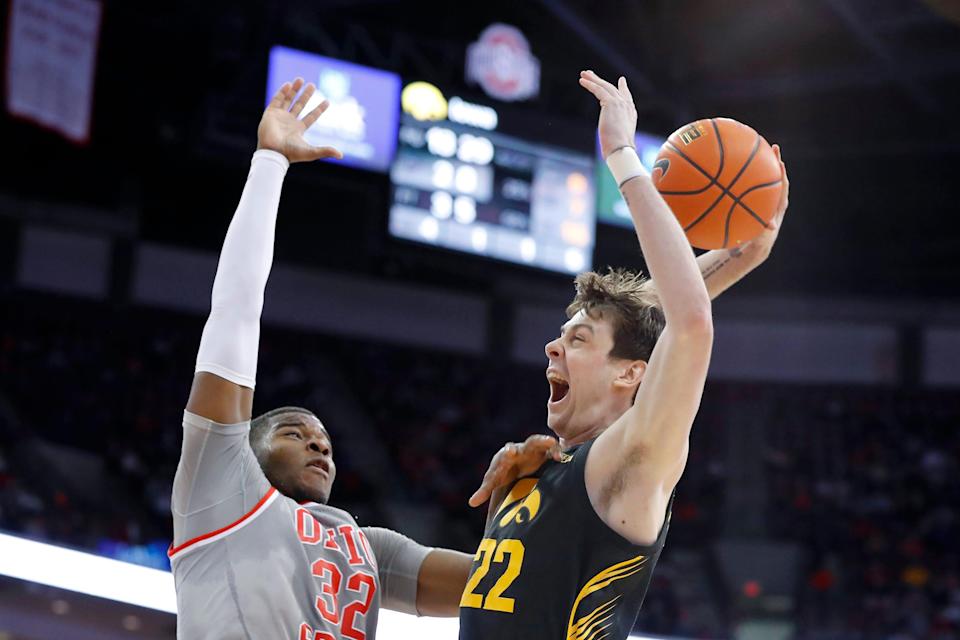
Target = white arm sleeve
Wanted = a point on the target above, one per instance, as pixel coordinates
(398, 562)
(231, 337)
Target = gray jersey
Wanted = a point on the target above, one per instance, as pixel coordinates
(248, 562)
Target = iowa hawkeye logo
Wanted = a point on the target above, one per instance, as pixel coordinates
(521, 504)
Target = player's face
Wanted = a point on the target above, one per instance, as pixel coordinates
(299, 462)
(583, 393)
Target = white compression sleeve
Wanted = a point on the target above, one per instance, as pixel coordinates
(231, 337)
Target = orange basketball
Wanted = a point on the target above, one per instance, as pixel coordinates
(721, 179)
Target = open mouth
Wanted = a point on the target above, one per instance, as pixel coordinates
(558, 388)
(317, 466)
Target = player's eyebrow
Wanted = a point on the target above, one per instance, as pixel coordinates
(579, 325)
(301, 424)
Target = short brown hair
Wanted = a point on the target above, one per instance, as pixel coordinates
(630, 302)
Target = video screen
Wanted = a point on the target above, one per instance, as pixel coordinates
(459, 184)
(364, 105)
(611, 209)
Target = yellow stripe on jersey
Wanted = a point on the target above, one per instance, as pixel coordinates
(586, 627)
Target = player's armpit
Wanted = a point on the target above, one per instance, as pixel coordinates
(443, 575)
(219, 400)
(634, 465)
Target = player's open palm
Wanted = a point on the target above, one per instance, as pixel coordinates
(281, 128)
(618, 113)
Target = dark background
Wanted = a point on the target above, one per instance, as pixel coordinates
(858, 94)
(859, 479)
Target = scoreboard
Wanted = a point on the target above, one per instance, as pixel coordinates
(458, 183)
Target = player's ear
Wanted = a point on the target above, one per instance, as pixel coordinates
(631, 374)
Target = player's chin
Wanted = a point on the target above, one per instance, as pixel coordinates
(556, 421)
(317, 489)
(316, 494)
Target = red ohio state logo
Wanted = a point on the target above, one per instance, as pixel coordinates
(501, 62)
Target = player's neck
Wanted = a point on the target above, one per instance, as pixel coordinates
(594, 429)
(580, 438)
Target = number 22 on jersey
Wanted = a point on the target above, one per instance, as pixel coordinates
(510, 552)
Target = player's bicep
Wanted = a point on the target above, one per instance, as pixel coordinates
(219, 400)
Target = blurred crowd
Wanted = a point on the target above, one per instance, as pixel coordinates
(864, 480)
(868, 481)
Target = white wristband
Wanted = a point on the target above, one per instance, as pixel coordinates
(624, 164)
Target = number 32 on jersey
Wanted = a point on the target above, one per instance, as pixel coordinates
(509, 552)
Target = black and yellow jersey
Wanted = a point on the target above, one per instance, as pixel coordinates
(549, 567)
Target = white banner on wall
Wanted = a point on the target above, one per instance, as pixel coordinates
(51, 61)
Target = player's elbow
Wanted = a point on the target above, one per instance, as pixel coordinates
(694, 324)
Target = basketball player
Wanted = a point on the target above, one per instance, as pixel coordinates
(257, 553)
(570, 550)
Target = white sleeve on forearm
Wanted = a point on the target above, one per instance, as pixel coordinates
(231, 337)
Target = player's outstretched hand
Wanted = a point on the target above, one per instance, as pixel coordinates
(515, 460)
(761, 246)
(618, 113)
(280, 129)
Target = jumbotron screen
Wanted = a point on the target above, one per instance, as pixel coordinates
(611, 209)
(459, 184)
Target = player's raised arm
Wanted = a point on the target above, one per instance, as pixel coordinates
(634, 465)
(226, 367)
(218, 478)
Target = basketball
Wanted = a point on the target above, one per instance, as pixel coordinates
(721, 179)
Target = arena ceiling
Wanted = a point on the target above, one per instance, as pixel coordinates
(859, 93)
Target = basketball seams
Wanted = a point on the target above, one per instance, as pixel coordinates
(753, 153)
(691, 162)
(713, 179)
(725, 190)
(708, 210)
(716, 129)
(726, 224)
(739, 199)
(710, 179)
